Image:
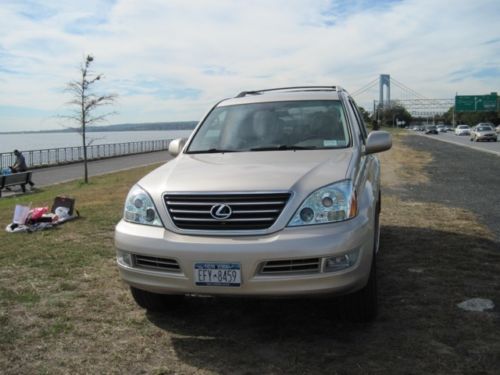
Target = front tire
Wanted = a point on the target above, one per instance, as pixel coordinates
(154, 301)
(362, 306)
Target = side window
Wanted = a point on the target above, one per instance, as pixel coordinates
(359, 118)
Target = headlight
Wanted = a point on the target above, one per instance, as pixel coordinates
(140, 209)
(329, 204)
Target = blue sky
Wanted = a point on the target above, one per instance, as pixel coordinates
(171, 60)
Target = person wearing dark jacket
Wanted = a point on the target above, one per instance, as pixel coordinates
(20, 165)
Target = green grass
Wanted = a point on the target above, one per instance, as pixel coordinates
(52, 282)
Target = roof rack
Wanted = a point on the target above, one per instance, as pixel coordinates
(257, 92)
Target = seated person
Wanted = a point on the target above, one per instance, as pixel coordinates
(20, 165)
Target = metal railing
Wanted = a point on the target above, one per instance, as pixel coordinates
(66, 155)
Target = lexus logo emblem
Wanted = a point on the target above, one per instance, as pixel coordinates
(221, 211)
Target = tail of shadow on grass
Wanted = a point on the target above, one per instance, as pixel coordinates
(422, 275)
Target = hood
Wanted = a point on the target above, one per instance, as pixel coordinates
(249, 171)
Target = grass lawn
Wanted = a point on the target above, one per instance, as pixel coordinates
(63, 308)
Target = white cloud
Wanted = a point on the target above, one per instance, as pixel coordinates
(171, 60)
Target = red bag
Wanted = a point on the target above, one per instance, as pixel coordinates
(38, 212)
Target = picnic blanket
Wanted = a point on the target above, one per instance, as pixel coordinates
(27, 219)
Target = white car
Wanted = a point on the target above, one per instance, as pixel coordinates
(462, 130)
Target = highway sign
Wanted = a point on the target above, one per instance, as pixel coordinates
(476, 103)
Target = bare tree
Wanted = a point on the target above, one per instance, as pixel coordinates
(86, 104)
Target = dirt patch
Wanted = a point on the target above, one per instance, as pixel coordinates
(403, 166)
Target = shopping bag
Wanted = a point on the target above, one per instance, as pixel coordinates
(20, 214)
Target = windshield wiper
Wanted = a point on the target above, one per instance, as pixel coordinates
(283, 148)
(211, 151)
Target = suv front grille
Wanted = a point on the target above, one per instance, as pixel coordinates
(291, 266)
(155, 263)
(247, 211)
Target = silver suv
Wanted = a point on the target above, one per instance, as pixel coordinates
(276, 193)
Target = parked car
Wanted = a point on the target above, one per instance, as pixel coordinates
(449, 128)
(431, 129)
(462, 130)
(441, 128)
(276, 193)
(498, 129)
(483, 133)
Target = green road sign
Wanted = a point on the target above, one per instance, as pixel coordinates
(476, 103)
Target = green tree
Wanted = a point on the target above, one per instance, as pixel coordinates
(471, 118)
(365, 114)
(389, 115)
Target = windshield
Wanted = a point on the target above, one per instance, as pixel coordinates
(484, 128)
(289, 125)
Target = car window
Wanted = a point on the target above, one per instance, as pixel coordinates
(359, 118)
(308, 124)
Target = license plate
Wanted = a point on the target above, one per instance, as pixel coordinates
(217, 274)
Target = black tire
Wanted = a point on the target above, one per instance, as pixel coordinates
(154, 301)
(362, 306)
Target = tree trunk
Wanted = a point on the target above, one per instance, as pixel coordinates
(84, 122)
(85, 167)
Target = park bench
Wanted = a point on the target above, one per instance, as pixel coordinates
(20, 178)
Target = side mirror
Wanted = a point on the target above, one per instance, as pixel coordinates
(175, 147)
(378, 141)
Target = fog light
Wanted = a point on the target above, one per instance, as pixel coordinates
(124, 258)
(341, 262)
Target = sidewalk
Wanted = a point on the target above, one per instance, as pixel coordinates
(54, 175)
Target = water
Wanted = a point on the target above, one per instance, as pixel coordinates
(39, 141)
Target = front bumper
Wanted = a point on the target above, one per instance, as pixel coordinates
(484, 137)
(250, 251)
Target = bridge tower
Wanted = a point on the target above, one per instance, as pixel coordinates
(385, 80)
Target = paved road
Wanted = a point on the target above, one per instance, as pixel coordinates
(450, 137)
(460, 177)
(53, 175)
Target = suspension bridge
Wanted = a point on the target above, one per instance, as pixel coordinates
(415, 103)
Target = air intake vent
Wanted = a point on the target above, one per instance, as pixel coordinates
(291, 266)
(157, 264)
(225, 211)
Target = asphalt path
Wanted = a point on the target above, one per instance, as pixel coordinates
(464, 140)
(53, 175)
(460, 177)
(58, 174)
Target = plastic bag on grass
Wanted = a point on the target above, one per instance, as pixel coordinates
(20, 214)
